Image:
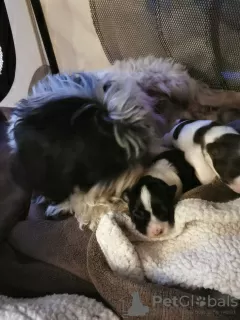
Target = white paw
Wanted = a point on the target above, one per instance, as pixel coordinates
(39, 200)
(93, 224)
(57, 209)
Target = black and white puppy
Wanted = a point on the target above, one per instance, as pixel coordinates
(151, 201)
(211, 148)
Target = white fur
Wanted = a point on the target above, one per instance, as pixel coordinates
(193, 152)
(235, 185)
(126, 101)
(155, 227)
(64, 207)
(145, 197)
(164, 74)
(214, 133)
(164, 170)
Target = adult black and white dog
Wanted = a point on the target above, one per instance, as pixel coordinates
(152, 199)
(211, 148)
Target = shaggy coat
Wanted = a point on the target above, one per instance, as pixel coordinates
(80, 140)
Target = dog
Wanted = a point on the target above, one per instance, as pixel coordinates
(79, 140)
(73, 134)
(152, 199)
(211, 148)
(176, 94)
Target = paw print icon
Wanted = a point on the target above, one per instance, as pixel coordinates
(200, 301)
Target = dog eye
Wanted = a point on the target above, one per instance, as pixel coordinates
(138, 213)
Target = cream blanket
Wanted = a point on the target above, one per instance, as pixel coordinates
(64, 307)
(203, 250)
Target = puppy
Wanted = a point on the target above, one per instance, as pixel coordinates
(211, 148)
(151, 201)
(73, 134)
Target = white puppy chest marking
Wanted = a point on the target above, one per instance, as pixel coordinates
(146, 199)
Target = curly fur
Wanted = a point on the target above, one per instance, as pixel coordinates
(42, 160)
(138, 98)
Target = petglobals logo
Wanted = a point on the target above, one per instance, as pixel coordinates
(135, 307)
(191, 301)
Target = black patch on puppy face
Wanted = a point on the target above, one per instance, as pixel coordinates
(225, 155)
(66, 143)
(179, 128)
(199, 134)
(162, 202)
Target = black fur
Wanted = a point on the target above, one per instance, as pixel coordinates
(180, 126)
(199, 134)
(162, 195)
(224, 153)
(185, 171)
(66, 143)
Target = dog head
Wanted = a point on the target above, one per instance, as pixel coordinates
(70, 132)
(151, 206)
(224, 158)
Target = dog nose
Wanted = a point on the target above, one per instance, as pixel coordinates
(157, 231)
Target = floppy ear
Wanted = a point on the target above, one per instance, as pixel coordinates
(172, 190)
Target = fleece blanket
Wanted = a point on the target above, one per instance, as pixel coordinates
(41, 257)
(64, 307)
(202, 251)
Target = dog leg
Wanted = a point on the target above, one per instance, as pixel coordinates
(218, 98)
(59, 211)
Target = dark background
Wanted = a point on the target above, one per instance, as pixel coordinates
(9, 56)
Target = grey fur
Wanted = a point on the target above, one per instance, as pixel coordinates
(129, 105)
(126, 104)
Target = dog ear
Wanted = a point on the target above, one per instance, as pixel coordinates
(215, 150)
(172, 191)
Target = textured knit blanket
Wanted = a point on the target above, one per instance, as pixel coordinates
(64, 307)
(203, 250)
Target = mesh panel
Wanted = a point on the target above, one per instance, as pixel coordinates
(203, 34)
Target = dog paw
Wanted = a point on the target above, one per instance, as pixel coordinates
(58, 212)
(39, 200)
